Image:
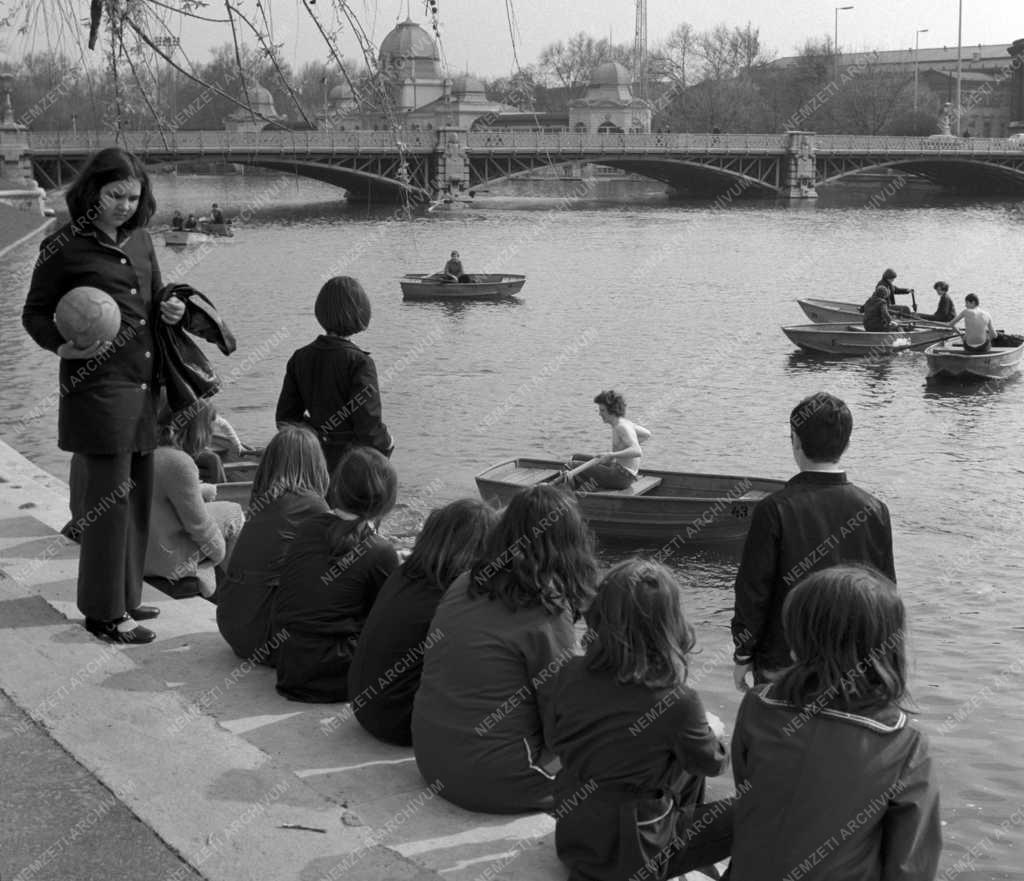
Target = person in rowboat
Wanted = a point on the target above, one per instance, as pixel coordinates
(453, 269)
(619, 468)
(978, 329)
(945, 310)
(190, 222)
(877, 317)
(886, 281)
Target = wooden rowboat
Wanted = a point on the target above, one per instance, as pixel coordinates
(204, 232)
(832, 311)
(949, 360)
(482, 286)
(839, 338)
(661, 507)
(239, 485)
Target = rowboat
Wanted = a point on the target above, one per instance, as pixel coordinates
(949, 360)
(481, 286)
(205, 232)
(839, 338)
(239, 484)
(659, 507)
(831, 311)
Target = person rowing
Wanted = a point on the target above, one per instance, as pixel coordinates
(886, 281)
(877, 317)
(619, 468)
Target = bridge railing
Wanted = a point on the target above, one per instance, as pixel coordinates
(517, 140)
(940, 144)
(226, 143)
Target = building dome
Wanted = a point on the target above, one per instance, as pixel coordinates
(409, 51)
(468, 88)
(611, 73)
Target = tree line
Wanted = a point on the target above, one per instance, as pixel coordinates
(720, 79)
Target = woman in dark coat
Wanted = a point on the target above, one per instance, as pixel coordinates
(108, 394)
(289, 487)
(332, 573)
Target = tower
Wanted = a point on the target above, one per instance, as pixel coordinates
(640, 49)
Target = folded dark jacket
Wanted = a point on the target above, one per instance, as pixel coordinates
(185, 372)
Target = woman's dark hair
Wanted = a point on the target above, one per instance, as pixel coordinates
(941, 286)
(363, 483)
(846, 627)
(889, 274)
(190, 430)
(823, 423)
(451, 539)
(292, 462)
(636, 626)
(541, 553)
(342, 306)
(105, 167)
(613, 402)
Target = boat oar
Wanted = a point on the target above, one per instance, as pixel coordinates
(913, 300)
(567, 476)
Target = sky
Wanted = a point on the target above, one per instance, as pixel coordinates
(475, 34)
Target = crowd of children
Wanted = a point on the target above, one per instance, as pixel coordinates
(473, 635)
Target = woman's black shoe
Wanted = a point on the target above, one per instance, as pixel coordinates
(123, 631)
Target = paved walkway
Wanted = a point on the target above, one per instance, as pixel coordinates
(236, 780)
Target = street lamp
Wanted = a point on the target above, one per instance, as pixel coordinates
(917, 37)
(835, 43)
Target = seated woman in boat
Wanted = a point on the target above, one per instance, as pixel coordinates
(289, 487)
(481, 720)
(978, 329)
(877, 317)
(191, 222)
(388, 662)
(216, 215)
(619, 468)
(177, 221)
(453, 269)
(945, 311)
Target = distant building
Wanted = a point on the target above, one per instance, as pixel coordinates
(608, 104)
(263, 111)
(990, 82)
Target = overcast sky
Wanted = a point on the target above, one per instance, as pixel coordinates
(476, 34)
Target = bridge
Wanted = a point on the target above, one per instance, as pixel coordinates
(383, 165)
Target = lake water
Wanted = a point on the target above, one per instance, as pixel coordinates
(678, 306)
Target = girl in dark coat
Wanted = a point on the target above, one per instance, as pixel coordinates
(332, 573)
(837, 785)
(331, 384)
(635, 741)
(386, 669)
(289, 486)
(108, 394)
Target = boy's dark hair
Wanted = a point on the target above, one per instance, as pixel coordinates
(451, 539)
(846, 627)
(823, 423)
(972, 298)
(636, 626)
(105, 167)
(541, 553)
(941, 286)
(613, 402)
(342, 306)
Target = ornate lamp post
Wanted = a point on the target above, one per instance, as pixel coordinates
(835, 43)
(917, 37)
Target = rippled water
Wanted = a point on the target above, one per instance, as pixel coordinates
(678, 306)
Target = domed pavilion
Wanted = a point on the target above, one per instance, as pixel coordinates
(262, 103)
(609, 105)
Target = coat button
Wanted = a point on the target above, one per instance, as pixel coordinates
(144, 386)
(147, 354)
(142, 321)
(134, 291)
(123, 261)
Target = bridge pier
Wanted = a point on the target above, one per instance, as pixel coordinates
(798, 173)
(452, 162)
